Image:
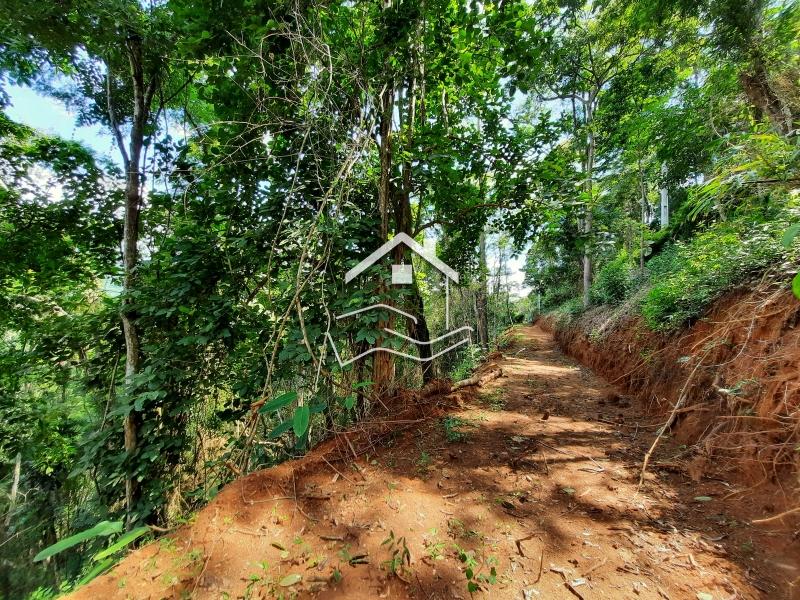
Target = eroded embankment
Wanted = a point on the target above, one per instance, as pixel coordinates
(734, 372)
(514, 489)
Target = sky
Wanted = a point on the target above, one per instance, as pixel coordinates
(52, 116)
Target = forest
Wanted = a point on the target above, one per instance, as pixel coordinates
(176, 299)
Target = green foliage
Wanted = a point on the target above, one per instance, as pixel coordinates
(104, 559)
(614, 281)
(558, 295)
(124, 541)
(454, 428)
(104, 528)
(268, 196)
(278, 402)
(474, 566)
(788, 240)
(566, 312)
(300, 420)
(470, 359)
(495, 399)
(688, 276)
(400, 558)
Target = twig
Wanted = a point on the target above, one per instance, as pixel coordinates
(681, 399)
(342, 475)
(778, 516)
(595, 567)
(519, 544)
(541, 564)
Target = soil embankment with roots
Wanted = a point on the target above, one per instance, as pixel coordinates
(521, 486)
(735, 376)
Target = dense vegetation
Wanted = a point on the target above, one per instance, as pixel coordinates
(164, 311)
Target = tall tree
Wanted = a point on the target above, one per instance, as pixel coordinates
(130, 43)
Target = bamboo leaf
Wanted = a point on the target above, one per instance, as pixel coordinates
(104, 528)
(279, 402)
(95, 571)
(290, 580)
(790, 235)
(300, 421)
(280, 429)
(121, 543)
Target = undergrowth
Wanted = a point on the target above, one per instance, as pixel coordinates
(454, 428)
(686, 277)
(471, 357)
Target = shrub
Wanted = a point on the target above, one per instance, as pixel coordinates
(567, 311)
(688, 276)
(555, 296)
(470, 358)
(614, 281)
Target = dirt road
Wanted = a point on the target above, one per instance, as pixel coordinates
(529, 490)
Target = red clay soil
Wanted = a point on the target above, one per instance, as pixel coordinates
(739, 371)
(536, 481)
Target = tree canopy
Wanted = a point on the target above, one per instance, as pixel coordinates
(164, 310)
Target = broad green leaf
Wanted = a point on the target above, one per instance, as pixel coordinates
(791, 234)
(279, 402)
(317, 407)
(796, 285)
(121, 543)
(300, 421)
(290, 580)
(96, 570)
(104, 528)
(280, 429)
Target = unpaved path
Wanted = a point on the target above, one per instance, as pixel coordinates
(536, 480)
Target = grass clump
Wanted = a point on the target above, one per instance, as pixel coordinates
(495, 400)
(454, 428)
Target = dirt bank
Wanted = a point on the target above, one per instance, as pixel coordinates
(520, 489)
(736, 374)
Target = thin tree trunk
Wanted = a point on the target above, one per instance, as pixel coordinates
(481, 297)
(664, 194)
(587, 230)
(383, 362)
(142, 99)
(643, 221)
(420, 331)
(12, 498)
(403, 219)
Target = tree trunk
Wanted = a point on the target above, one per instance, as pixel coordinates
(664, 194)
(762, 96)
(481, 297)
(142, 98)
(643, 222)
(12, 498)
(383, 362)
(403, 223)
(588, 172)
